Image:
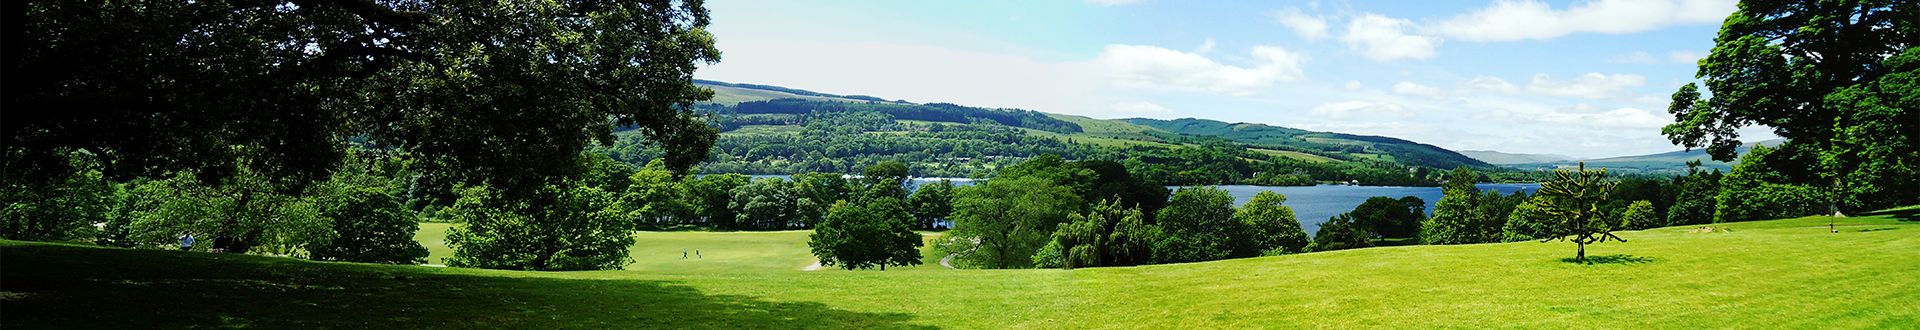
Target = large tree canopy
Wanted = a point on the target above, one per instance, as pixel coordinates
(1838, 77)
(505, 93)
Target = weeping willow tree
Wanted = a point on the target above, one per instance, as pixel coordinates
(1570, 206)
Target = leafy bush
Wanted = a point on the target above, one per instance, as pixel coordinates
(1268, 226)
(1755, 190)
(559, 227)
(1197, 225)
(370, 226)
(1639, 215)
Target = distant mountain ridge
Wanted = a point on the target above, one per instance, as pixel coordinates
(1502, 158)
(1665, 162)
(1294, 139)
(751, 102)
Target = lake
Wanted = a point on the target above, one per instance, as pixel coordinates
(1314, 204)
(1311, 204)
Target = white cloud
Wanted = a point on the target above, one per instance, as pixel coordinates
(1352, 85)
(1160, 68)
(1513, 20)
(1110, 3)
(1306, 26)
(1348, 109)
(1685, 57)
(1628, 118)
(1138, 108)
(1590, 85)
(1642, 57)
(1637, 57)
(1410, 88)
(1205, 47)
(1382, 38)
(1490, 84)
(901, 71)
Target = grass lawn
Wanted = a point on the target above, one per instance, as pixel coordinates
(1771, 274)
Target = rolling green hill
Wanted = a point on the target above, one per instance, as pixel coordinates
(1334, 145)
(779, 130)
(1773, 274)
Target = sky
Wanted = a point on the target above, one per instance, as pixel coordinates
(1587, 79)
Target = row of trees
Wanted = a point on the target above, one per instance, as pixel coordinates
(1048, 212)
(353, 216)
(134, 123)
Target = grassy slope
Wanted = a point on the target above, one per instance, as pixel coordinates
(1774, 274)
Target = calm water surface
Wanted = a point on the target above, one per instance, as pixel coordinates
(1314, 204)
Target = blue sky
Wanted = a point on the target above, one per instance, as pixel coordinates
(1578, 78)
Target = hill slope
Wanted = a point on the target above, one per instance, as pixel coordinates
(1502, 158)
(1774, 274)
(779, 130)
(1285, 138)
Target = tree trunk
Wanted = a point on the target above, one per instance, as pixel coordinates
(1581, 255)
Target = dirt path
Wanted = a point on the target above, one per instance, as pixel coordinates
(947, 261)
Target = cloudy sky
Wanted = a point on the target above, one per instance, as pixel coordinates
(1579, 78)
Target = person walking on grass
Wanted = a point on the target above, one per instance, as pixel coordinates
(186, 241)
(696, 254)
(683, 254)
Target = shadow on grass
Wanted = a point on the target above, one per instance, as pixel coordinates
(79, 287)
(1907, 214)
(1612, 259)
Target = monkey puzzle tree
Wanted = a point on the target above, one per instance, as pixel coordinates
(1570, 206)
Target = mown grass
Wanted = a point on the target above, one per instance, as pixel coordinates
(706, 252)
(1772, 274)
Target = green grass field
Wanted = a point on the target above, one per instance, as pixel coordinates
(1772, 274)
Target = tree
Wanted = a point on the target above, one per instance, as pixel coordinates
(1196, 225)
(1009, 219)
(1131, 242)
(62, 210)
(887, 179)
(1755, 191)
(931, 203)
(562, 227)
(370, 226)
(250, 210)
(1570, 206)
(604, 172)
(1268, 227)
(817, 192)
(180, 86)
(712, 196)
(1087, 239)
(1836, 77)
(1387, 217)
(865, 236)
(1340, 233)
(1490, 215)
(1454, 218)
(1694, 203)
(1639, 215)
(655, 197)
(767, 203)
(1526, 223)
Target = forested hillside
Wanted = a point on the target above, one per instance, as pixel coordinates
(1334, 145)
(778, 130)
